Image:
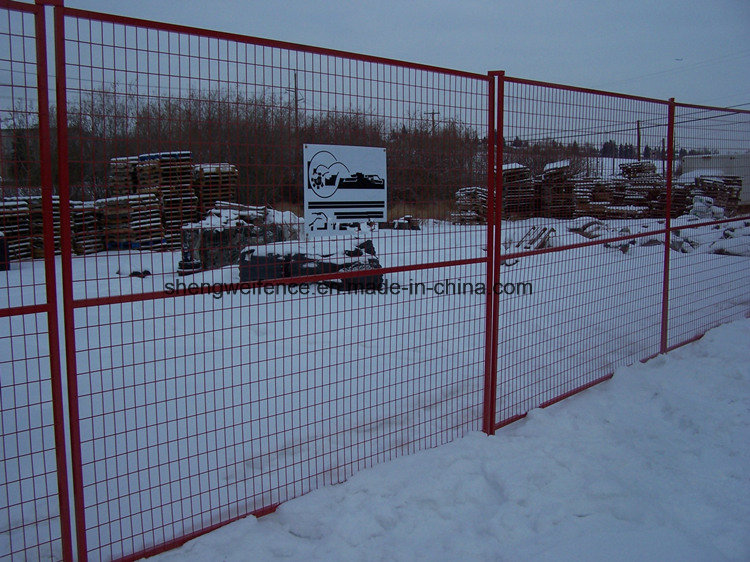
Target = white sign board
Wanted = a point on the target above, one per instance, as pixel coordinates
(343, 185)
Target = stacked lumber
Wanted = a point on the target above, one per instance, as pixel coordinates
(215, 182)
(633, 170)
(178, 208)
(86, 237)
(165, 169)
(471, 204)
(113, 214)
(518, 191)
(122, 178)
(15, 224)
(555, 191)
(583, 195)
(724, 190)
(168, 176)
(130, 221)
(37, 224)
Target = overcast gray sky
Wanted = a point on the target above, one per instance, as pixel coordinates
(697, 52)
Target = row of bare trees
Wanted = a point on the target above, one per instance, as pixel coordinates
(262, 135)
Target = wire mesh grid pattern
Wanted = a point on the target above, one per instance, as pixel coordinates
(196, 409)
(32, 524)
(572, 174)
(222, 357)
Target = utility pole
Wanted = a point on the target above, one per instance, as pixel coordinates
(296, 106)
(432, 114)
(639, 139)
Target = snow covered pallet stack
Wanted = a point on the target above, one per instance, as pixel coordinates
(215, 182)
(86, 236)
(471, 203)
(724, 190)
(518, 191)
(37, 225)
(131, 221)
(555, 191)
(169, 177)
(15, 222)
(122, 176)
(217, 240)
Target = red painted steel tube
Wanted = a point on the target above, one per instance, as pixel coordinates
(124, 20)
(21, 310)
(138, 297)
(67, 282)
(45, 159)
(575, 391)
(489, 403)
(496, 245)
(668, 212)
(713, 108)
(176, 543)
(560, 398)
(567, 88)
(18, 6)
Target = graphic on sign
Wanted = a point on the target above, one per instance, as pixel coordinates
(344, 185)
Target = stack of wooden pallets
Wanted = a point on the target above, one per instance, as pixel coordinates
(86, 236)
(37, 224)
(215, 182)
(556, 191)
(130, 221)
(122, 178)
(471, 204)
(169, 177)
(15, 224)
(518, 191)
(724, 190)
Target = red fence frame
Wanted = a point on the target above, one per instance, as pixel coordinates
(493, 374)
(50, 306)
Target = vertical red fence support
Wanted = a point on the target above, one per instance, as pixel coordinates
(490, 376)
(45, 159)
(39, 496)
(67, 279)
(668, 226)
(526, 385)
(494, 210)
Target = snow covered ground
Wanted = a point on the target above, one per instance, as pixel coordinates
(652, 465)
(197, 409)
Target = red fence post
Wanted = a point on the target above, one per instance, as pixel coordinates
(490, 376)
(67, 280)
(45, 160)
(668, 226)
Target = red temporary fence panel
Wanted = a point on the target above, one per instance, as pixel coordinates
(516, 242)
(708, 280)
(193, 410)
(34, 503)
(580, 281)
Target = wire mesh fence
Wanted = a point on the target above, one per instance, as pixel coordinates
(34, 511)
(282, 264)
